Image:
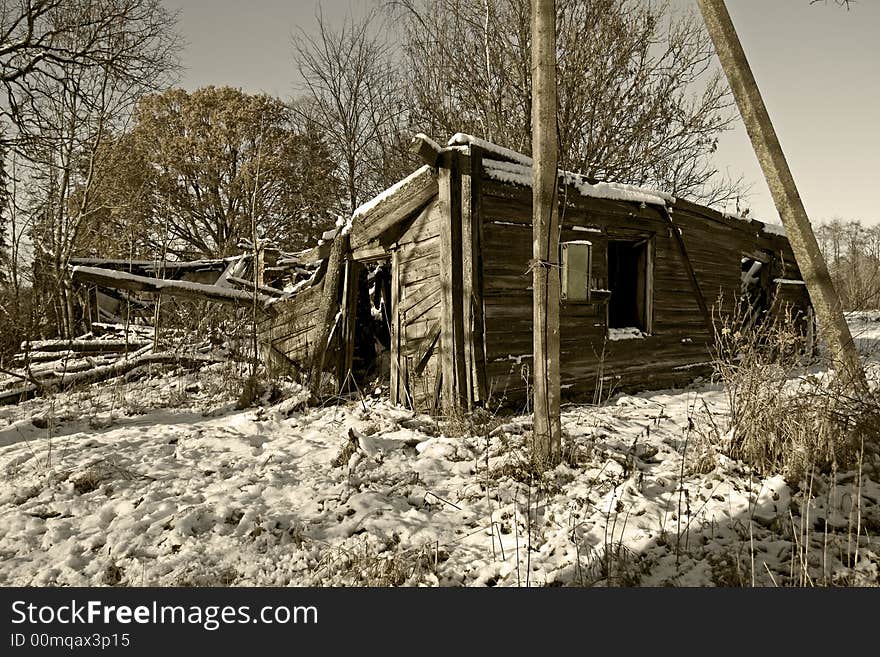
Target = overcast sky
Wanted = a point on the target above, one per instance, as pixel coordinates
(817, 66)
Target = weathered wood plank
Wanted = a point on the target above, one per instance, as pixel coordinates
(449, 196)
(124, 281)
(468, 394)
(397, 204)
(429, 292)
(395, 373)
(349, 317)
(426, 348)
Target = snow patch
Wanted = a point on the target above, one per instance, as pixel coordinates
(626, 333)
(519, 174)
(775, 229)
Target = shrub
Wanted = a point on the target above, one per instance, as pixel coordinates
(784, 417)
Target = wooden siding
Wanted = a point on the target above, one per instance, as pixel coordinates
(677, 348)
(417, 311)
(289, 333)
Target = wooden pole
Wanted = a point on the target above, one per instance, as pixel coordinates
(545, 240)
(327, 309)
(814, 271)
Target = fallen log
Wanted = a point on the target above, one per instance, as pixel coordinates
(82, 346)
(103, 372)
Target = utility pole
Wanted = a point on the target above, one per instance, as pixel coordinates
(545, 236)
(825, 299)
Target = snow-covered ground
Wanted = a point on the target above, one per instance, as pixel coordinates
(161, 482)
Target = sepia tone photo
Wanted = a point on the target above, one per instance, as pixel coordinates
(442, 293)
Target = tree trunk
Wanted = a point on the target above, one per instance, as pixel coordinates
(785, 194)
(545, 244)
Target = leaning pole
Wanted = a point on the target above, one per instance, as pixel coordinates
(825, 299)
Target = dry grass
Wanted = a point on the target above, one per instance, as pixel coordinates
(784, 418)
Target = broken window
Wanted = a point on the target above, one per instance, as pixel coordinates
(629, 279)
(754, 296)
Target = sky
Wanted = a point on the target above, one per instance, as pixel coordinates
(818, 67)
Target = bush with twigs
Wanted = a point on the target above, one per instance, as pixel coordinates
(789, 412)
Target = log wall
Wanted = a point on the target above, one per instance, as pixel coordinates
(592, 366)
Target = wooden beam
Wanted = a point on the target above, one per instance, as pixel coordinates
(124, 281)
(397, 204)
(468, 393)
(785, 193)
(545, 230)
(689, 269)
(478, 339)
(327, 311)
(426, 349)
(349, 318)
(426, 148)
(451, 304)
(244, 284)
(373, 250)
(85, 346)
(104, 372)
(380, 246)
(650, 252)
(396, 325)
(315, 254)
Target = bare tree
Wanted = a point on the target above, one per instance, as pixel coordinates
(639, 100)
(71, 108)
(351, 95)
(852, 252)
(41, 41)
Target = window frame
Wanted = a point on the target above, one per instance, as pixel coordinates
(649, 242)
(564, 272)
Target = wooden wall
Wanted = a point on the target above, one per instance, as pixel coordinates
(461, 293)
(677, 348)
(287, 335)
(416, 296)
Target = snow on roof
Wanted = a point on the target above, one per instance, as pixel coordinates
(433, 144)
(619, 191)
(770, 229)
(775, 229)
(462, 139)
(516, 169)
(519, 174)
(376, 200)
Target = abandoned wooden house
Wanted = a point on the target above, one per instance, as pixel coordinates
(435, 273)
